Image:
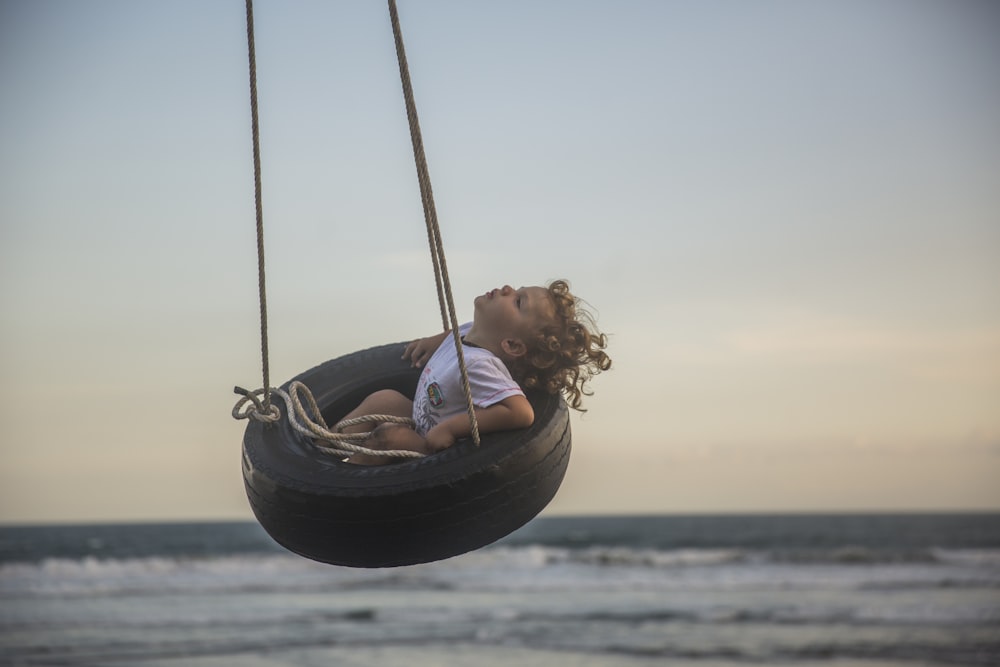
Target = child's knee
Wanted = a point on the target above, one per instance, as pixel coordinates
(388, 401)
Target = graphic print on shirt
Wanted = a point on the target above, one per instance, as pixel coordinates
(440, 393)
(426, 407)
(434, 395)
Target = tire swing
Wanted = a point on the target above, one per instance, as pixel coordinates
(420, 509)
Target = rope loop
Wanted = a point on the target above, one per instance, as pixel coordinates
(371, 419)
(251, 407)
(306, 418)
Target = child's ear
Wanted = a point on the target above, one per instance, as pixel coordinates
(513, 347)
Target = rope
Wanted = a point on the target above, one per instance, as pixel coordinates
(310, 423)
(260, 210)
(430, 218)
(252, 407)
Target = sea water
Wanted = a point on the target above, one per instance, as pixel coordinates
(837, 591)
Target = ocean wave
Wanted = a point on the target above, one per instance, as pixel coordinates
(141, 576)
(850, 555)
(620, 556)
(527, 568)
(968, 557)
(978, 653)
(612, 556)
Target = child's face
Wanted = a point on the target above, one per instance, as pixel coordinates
(518, 313)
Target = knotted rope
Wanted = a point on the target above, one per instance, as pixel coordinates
(307, 420)
(261, 409)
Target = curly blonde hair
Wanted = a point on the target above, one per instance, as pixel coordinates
(566, 352)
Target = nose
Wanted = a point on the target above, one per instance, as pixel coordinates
(506, 289)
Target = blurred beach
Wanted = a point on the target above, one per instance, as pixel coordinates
(849, 590)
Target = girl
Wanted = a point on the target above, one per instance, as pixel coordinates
(528, 338)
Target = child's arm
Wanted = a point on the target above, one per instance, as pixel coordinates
(420, 350)
(510, 413)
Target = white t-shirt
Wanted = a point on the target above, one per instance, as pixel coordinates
(439, 390)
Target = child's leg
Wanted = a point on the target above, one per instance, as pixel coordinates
(390, 436)
(383, 402)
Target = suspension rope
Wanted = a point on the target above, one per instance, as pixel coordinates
(449, 321)
(266, 406)
(261, 409)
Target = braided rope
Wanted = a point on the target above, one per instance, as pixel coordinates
(307, 420)
(430, 218)
(251, 407)
(262, 297)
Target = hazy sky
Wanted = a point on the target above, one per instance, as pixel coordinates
(786, 215)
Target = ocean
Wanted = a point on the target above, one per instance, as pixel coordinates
(708, 591)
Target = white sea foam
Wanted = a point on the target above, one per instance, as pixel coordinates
(970, 557)
(89, 576)
(522, 568)
(665, 605)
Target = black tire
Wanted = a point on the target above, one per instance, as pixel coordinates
(415, 511)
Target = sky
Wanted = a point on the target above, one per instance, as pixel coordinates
(784, 214)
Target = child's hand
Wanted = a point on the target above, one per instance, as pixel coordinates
(440, 437)
(420, 350)
(395, 436)
(390, 436)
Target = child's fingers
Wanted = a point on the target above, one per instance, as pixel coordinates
(416, 352)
